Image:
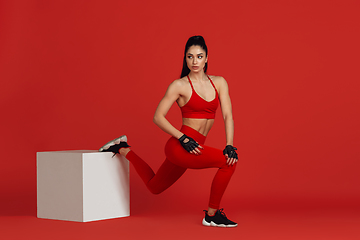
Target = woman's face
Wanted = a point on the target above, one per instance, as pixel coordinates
(196, 58)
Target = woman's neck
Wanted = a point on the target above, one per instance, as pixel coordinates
(199, 76)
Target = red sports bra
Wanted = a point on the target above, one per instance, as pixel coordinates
(197, 107)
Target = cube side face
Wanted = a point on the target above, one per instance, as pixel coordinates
(106, 186)
(59, 186)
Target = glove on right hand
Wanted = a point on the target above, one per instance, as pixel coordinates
(188, 145)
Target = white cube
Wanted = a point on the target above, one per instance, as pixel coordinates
(82, 185)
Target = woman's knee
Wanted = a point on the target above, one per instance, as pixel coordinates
(227, 167)
(156, 189)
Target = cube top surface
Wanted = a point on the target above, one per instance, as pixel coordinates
(73, 151)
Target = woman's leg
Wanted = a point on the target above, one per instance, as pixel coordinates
(167, 174)
(210, 158)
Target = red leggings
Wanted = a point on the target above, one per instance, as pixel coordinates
(178, 160)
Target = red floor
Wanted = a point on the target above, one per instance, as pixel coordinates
(254, 223)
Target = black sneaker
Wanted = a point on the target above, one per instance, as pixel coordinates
(218, 220)
(115, 145)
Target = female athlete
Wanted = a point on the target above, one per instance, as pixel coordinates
(198, 96)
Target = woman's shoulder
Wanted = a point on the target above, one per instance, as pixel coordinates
(180, 82)
(217, 80)
(179, 85)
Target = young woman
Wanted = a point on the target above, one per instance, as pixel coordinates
(198, 96)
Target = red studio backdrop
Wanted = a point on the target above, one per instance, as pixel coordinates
(75, 74)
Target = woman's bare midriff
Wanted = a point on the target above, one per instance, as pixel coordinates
(203, 126)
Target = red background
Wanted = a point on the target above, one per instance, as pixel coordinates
(75, 74)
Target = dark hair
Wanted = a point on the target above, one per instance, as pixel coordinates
(193, 41)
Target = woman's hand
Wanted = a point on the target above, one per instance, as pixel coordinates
(230, 154)
(190, 145)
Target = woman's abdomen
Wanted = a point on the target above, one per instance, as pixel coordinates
(203, 126)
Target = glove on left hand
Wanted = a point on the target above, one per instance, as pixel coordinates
(230, 151)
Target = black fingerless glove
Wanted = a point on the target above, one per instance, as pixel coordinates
(230, 151)
(189, 145)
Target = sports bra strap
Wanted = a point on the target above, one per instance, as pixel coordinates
(190, 83)
(212, 84)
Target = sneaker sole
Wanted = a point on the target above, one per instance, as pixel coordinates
(212, 224)
(122, 138)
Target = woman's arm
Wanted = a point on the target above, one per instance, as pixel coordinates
(226, 109)
(171, 95)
